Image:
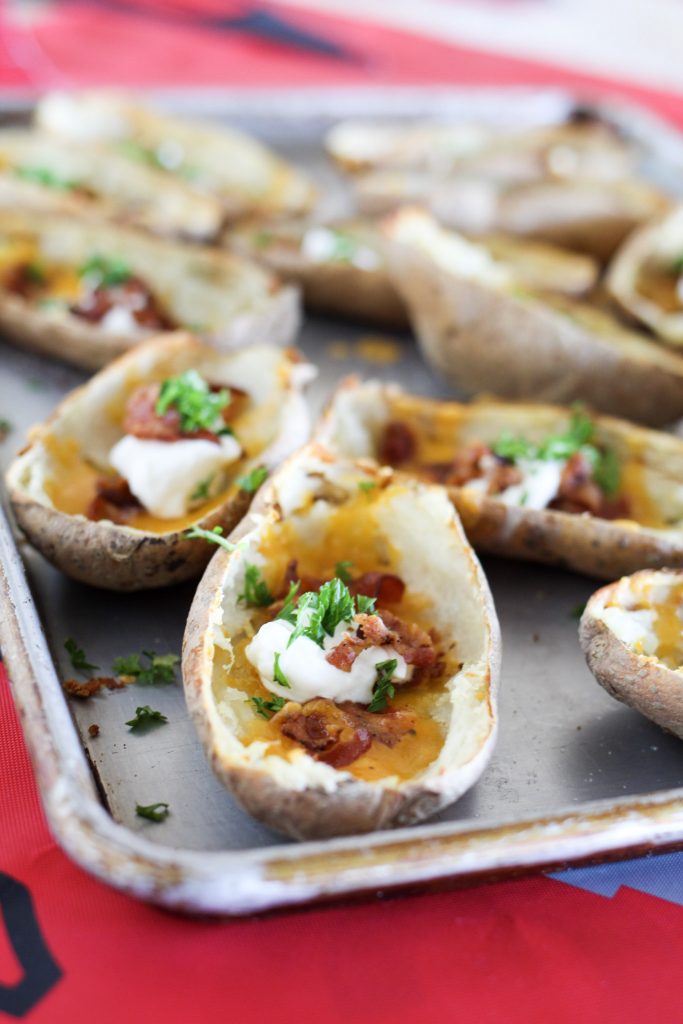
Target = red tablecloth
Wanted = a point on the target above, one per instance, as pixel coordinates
(523, 951)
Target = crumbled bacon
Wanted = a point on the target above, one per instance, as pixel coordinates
(384, 586)
(132, 295)
(80, 688)
(142, 420)
(113, 500)
(339, 733)
(398, 444)
(579, 493)
(473, 461)
(383, 630)
(93, 730)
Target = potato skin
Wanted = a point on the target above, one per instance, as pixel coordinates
(114, 557)
(485, 340)
(642, 682)
(355, 806)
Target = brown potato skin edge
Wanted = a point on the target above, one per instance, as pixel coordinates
(482, 340)
(642, 683)
(356, 806)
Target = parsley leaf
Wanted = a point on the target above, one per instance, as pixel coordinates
(366, 605)
(344, 247)
(578, 611)
(44, 176)
(105, 272)
(383, 688)
(78, 656)
(256, 593)
(35, 273)
(318, 614)
(146, 716)
(160, 668)
(153, 812)
(214, 536)
(251, 482)
(278, 674)
(677, 265)
(366, 485)
(342, 571)
(200, 408)
(267, 708)
(288, 611)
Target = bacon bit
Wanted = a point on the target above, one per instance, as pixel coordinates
(142, 420)
(398, 444)
(78, 688)
(384, 630)
(579, 493)
(466, 465)
(94, 730)
(339, 733)
(21, 280)
(132, 295)
(114, 501)
(384, 586)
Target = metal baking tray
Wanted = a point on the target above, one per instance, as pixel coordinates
(575, 775)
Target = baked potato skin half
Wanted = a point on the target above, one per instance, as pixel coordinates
(353, 423)
(347, 805)
(248, 303)
(493, 337)
(117, 557)
(642, 682)
(656, 246)
(332, 286)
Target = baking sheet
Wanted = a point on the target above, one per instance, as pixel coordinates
(563, 741)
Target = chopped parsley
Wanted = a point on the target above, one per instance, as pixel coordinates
(263, 238)
(153, 812)
(5, 428)
(345, 247)
(288, 611)
(267, 708)
(383, 688)
(200, 408)
(136, 151)
(578, 611)
(147, 668)
(342, 571)
(202, 490)
(677, 265)
(366, 485)
(214, 536)
(318, 614)
(251, 482)
(35, 273)
(44, 176)
(578, 438)
(104, 271)
(278, 674)
(146, 716)
(78, 657)
(256, 593)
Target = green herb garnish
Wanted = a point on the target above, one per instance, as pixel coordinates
(159, 668)
(288, 610)
(44, 176)
(366, 485)
(214, 536)
(278, 674)
(105, 272)
(5, 428)
(267, 708)
(35, 273)
(251, 482)
(153, 812)
(578, 611)
(146, 716)
(383, 688)
(136, 151)
(78, 656)
(199, 407)
(263, 238)
(578, 438)
(342, 571)
(345, 247)
(319, 613)
(202, 490)
(256, 593)
(677, 265)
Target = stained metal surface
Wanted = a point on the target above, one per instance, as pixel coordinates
(563, 741)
